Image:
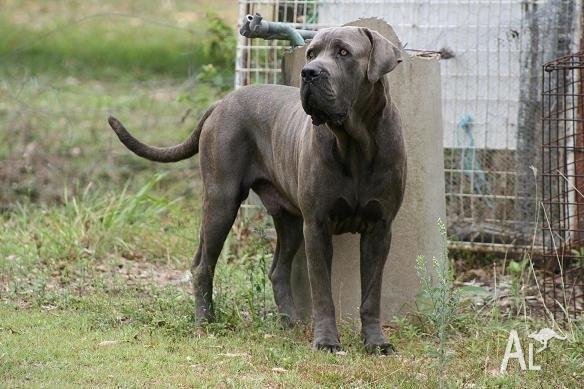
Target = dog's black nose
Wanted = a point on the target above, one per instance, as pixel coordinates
(310, 73)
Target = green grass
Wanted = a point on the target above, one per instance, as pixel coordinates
(65, 66)
(103, 50)
(96, 244)
(129, 40)
(54, 134)
(150, 339)
(60, 138)
(110, 268)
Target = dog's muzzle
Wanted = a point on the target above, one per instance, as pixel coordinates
(318, 101)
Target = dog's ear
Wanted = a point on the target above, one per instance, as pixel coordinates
(384, 56)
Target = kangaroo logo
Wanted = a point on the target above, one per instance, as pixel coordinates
(544, 335)
(515, 351)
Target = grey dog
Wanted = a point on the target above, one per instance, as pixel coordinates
(330, 162)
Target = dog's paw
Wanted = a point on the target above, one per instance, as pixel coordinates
(331, 348)
(325, 346)
(385, 348)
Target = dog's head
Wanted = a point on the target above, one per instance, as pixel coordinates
(341, 61)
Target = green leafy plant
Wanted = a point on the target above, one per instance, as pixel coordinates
(256, 264)
(516, 270)
(438, 301)
(220, 42)
(209, 74)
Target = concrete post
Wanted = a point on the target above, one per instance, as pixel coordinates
(415, 88)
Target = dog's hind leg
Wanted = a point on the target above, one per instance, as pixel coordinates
(219, 212)
(289, 231)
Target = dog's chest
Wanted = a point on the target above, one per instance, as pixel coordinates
(355, 217)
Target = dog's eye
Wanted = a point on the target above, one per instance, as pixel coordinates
(310, 54)
(343, 53)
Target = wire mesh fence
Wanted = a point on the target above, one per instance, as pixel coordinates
(492, 53)
(563, 184)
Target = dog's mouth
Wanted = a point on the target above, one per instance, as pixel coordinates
(318, 102)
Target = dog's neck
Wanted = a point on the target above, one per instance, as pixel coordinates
(357, 132)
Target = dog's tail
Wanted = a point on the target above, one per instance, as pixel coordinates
(184, 150)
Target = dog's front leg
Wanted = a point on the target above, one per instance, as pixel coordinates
(319, 254)
(374, 251)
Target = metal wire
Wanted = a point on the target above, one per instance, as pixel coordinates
(563, 184)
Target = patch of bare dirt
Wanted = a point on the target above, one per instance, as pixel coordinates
(524, 294)
(146, 273)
